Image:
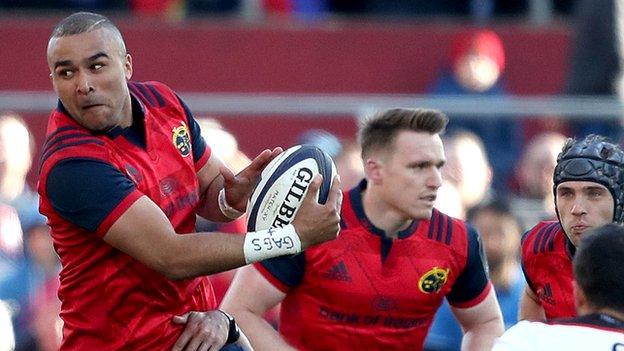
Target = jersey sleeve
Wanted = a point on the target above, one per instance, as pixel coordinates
(201, 150)
(472, 285)
(90, 193)
(283, 272)
(523, 258)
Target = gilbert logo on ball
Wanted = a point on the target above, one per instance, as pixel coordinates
(284, 183)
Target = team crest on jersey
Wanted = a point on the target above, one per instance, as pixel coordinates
(182, 140)
(433, 280)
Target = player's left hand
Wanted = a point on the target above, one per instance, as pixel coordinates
(238, 188)
(203, 331)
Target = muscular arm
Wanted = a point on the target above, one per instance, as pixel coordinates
(482, 323)
(530, 307)
(250, 295)
(145, 233)
(210, 183)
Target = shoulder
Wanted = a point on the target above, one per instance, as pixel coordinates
(448, 230)
(541, 238)
(67, 142)
(154, 94)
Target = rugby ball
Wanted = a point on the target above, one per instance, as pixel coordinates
(284, 183)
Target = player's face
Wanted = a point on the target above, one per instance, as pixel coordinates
(89, 73)
(411, 174)
(583, 206)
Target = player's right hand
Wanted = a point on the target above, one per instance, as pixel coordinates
(203, 331)
(316, 223)
(238, 188)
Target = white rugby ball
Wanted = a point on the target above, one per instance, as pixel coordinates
(283, 184)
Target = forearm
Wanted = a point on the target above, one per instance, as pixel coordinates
(530, 307)
(482, 336)
(196, 254)
(208, 202)
(260, 333)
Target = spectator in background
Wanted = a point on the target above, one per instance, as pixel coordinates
(533, 200)
(476, 63)
(468, 169)
(64, 4)
(16, 154)
(173, 9)
(6, 328)
(596, 61)
(597, 288)
(44, 307)
(349, 164)
(346, 154)
(500, 232)
(14, 287)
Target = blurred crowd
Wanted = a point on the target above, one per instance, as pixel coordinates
(476, 9)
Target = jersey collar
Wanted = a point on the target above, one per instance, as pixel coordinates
(355, 196)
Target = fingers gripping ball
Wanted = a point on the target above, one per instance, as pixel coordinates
(284, 183)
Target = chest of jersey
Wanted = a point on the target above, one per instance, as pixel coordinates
(552, 280)
(164, 169)
(348, 287)
(548, 268)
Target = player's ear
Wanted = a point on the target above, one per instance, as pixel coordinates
(128, 66)
(372, 169)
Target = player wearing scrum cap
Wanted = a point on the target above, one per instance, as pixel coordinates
(588, 181)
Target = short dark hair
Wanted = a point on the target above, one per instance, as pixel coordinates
(84, 22)
(497, 205)
(380, 130)
(598, 266)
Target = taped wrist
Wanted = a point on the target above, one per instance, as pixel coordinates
(270, 243)
(227, 210)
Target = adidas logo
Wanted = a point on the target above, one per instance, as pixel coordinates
(338, 272)
(545, 294)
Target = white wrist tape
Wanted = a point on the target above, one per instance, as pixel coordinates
(227, 210)
(270, 243)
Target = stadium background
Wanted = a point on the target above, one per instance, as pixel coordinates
(288, 57)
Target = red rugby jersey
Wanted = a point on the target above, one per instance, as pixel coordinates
(547, 265)
(111, 301)
(365, 291)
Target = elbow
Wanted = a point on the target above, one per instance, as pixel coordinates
(172, 265)
(172, 272)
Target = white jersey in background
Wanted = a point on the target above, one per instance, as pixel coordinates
(595, 332)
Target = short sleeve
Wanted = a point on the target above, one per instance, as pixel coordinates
(522, 263)
(284, 272)
(89, 193)
(473, 284)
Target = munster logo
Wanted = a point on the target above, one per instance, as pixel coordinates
(181, 140)
(432, 281)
